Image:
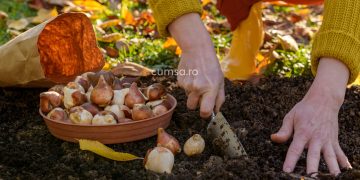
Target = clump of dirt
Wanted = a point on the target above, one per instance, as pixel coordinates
(29, 151)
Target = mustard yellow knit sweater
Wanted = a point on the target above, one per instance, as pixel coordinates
(338, 37)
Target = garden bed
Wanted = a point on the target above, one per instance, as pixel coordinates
(29, 151)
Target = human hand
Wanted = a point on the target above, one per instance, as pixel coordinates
(314, 121)
(199, 71)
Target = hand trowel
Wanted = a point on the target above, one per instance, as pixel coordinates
(219, 130)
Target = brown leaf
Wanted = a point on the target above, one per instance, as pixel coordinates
(131, 69)
(67, 47)
(110, 37)
(112, 52)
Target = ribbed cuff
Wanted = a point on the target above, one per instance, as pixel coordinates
(166, 11)
(339, 45)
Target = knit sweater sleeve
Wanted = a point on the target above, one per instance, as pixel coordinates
(166, 11)
(339, 35)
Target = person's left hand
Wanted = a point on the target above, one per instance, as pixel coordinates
(314, 121)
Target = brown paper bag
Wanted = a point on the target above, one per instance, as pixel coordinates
(55, 51)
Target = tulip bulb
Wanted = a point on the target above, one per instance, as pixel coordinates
(117, 84)
(102, 93)
(75, 85)
(58, 114)
(92, 108)
(159, 107)
(116, 110)
(159, 110)
(194, 145)
(168, 141)
(94, 77)
(134, 96)
(104, 118)
(141, 111)
(78, 115)
(73, 97)
(159, 160)
(83, 81)
(155, 91)
(49, 100)
(119, 96)
(58, 88)
(88, 93)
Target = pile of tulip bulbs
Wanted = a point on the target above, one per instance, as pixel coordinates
(103, 99)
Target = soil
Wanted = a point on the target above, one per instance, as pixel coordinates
(29, 151)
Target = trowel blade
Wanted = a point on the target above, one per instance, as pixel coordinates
(219, 129)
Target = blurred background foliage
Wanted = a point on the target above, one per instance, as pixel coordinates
(126, 31)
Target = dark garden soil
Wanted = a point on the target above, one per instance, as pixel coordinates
(29, 151)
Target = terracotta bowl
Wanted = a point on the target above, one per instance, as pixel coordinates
(111, 134)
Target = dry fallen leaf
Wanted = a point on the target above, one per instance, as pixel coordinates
(129, 19)
(89, 5)
(104, 151)
(67, 47)
(110, 37)
(109, 23)
(44, 14)
(18, 24)
(170, 42)
(288, 43)
(131, 69)
(3, 15)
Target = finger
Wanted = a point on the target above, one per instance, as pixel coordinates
(341, 158)
(207, 104)
(294, 152)
(286, 129)
(330, 159)
(313, 157)
(220, 99)
(193, 100)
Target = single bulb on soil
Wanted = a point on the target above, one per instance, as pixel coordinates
(194, 145)
(168, 141)
(159, 160)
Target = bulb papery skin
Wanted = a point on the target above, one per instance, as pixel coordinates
(141, 111)
(134, 96)
(194, 145)
(104, 118)
(78, 115)
(58, 88)
(73, 97)
(116, 110)
(88, 93)
(159, 110)
(92, 108)
(102, 93)
(58, 114)
(119, 96)
(155, 92)
(84, 82)
(159, 160)
(75, 85)
(168, 141)
(50, 100)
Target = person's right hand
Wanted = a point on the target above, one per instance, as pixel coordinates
(199, 71)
